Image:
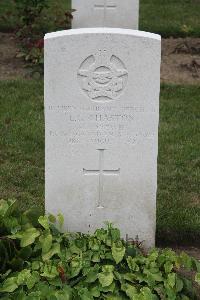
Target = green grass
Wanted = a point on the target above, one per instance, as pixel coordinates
(22, 155)
(7, 19)
(178, 214)
(171, 17)
(167, 17)
(22, 142)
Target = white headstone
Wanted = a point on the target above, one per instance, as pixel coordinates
(102, 113)
(106, 13)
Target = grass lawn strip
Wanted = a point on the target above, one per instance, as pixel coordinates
(22, 142)
(178, 199)
(170, 18)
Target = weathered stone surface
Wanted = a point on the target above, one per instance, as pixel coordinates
(101, 119)
(106, 13)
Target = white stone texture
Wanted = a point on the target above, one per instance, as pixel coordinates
(101, 122)
(106, 13)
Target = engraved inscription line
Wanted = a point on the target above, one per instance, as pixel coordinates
(101, 172)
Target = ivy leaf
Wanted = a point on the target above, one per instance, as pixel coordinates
(94, 244)
(101, 234)
(153, 255)
(85, 294)
(25, 253)
(115, 233)
(118, 252)
(171, 280)
(147, 294)
(33, 215)
(36, 265)
(109, 288)
(131, 251)
(3, 207)
(54, 250)
(23, 276)
(44, 222)
(60, 220)
(7, 207)
(132, 264)
(29, 236)
(108, 268)
(179, 284)
(197, 278)
(95, 292)
(171, 293)
(9, 285)
(196, 264)
(32, 280)
(96, 257)
(186, 261)
(50, 271)
(106, 277)
(155, 276)
(65, 294)
(168, 267)
(76, 266)
(129, 277)
(12, 224)
(130, 290)
(3, 276)
(92, 275)
(46, 243)
(52, 218)
(74, 249)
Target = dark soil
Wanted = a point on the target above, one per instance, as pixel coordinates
(10, 66)
(180, 60)
(192, 251)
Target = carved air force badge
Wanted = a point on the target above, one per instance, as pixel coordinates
(103, 76)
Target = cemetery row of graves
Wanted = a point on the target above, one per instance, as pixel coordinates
(87, 152)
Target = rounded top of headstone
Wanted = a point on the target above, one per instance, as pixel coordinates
(104, 30)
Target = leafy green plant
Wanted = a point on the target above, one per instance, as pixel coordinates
(33, 23)
(30, 32)
(29, 10)
(33, 54)
(38, 261)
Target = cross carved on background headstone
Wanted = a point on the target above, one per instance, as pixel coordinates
(105, 5)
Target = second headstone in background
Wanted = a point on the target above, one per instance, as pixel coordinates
(106, 13)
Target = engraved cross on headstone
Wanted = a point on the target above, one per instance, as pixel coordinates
(101, 172)
(105, 5)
